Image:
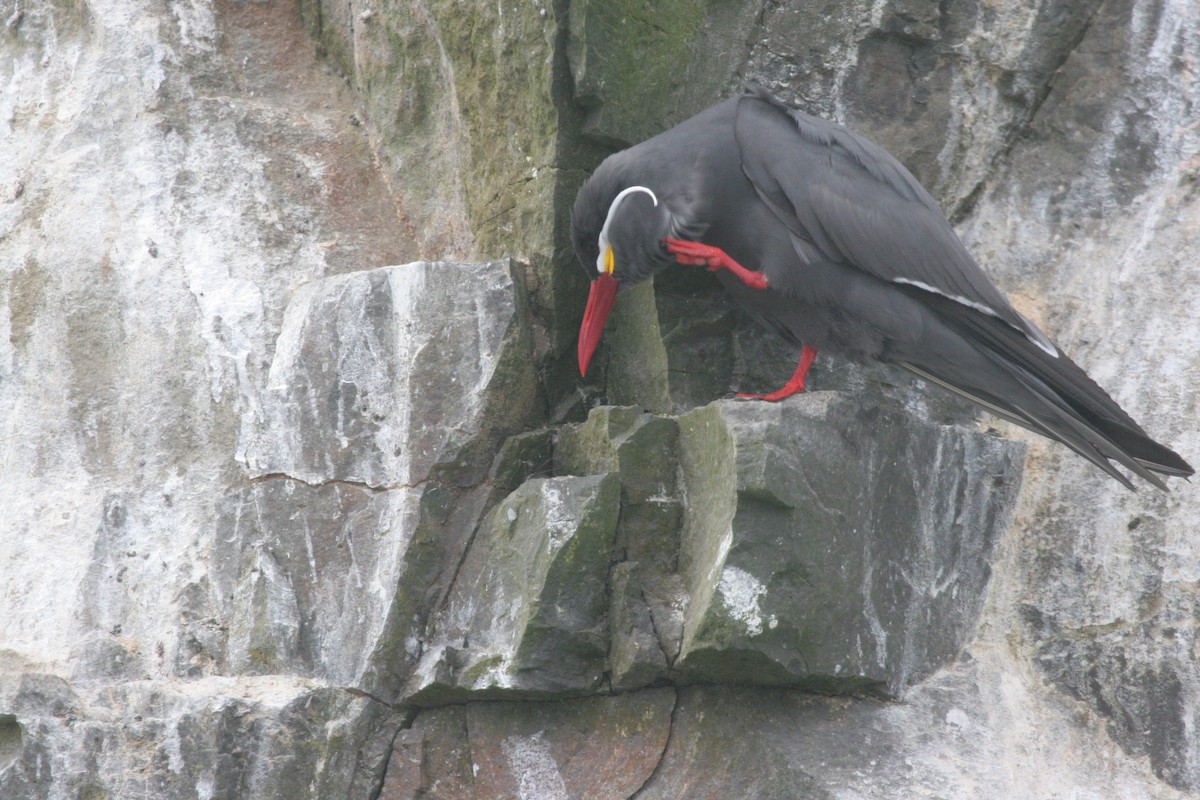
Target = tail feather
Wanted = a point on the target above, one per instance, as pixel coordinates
(1071, 425)
(1050, 395)
(1067, 432)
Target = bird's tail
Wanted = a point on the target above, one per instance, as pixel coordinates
(1048, 394)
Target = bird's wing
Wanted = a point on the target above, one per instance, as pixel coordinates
(845, 199)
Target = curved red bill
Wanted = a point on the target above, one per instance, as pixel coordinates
(600, 303)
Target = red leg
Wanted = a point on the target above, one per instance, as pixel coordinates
(794, 386)
(702, 255)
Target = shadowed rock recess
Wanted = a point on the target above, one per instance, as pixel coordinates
(303, 496)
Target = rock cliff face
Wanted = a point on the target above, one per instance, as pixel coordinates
(303, 497)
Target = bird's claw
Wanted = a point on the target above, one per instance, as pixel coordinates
(755, 280)
(695, 254)
(795, 384)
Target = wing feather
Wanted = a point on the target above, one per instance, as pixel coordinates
(856, 204)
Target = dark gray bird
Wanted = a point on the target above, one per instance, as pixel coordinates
(842, 250)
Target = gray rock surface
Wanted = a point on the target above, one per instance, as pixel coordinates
(375, 373)
(200, 607)
(282, 521)
(646, 587)
(1104, 240)
(797, 580)
(594, 747)
(526, 613)
(210, 737)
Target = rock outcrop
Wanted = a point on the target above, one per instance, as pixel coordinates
(303, 496)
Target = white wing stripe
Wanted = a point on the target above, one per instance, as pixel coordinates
(1042, 342)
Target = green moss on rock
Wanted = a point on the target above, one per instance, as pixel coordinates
(644, 65)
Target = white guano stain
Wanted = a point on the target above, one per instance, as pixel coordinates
(560, 522)
(536, 771)
(741, 593)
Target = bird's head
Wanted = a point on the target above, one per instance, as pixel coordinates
(620, 243)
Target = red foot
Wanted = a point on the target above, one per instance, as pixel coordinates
(702, 255)
(795, 385)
